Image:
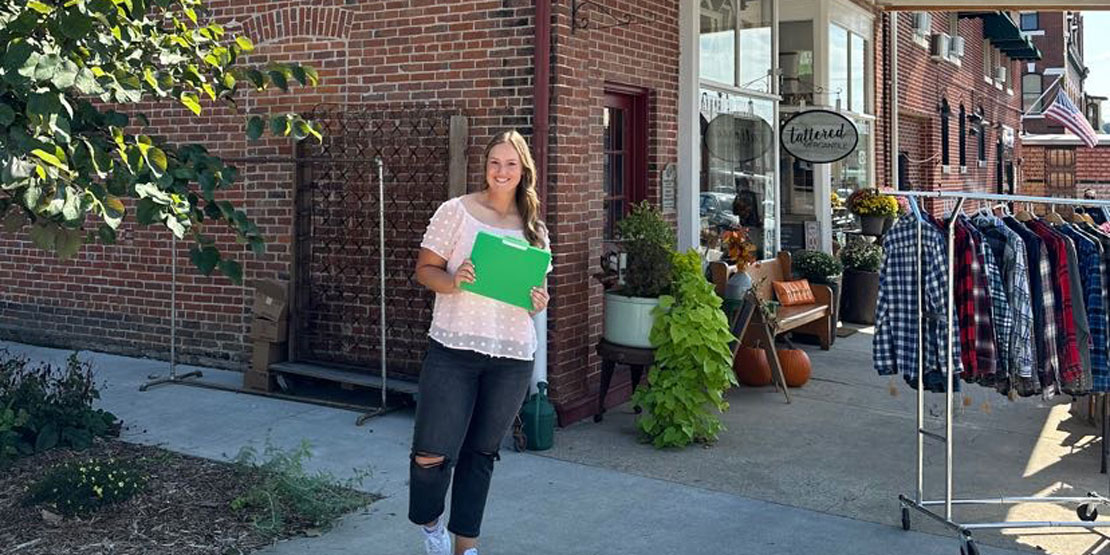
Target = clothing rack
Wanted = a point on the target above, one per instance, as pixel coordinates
(1087, 510)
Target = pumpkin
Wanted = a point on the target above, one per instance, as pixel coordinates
(795, 366)
(751, 366)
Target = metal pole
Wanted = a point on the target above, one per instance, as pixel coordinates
(381, 267)
(948, 397)
(173, 377)
(920, 368)
(382, 408)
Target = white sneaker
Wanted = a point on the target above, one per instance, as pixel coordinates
(471, 551)
(436, 540)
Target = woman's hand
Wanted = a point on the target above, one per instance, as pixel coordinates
(539, 300)
(465, 274)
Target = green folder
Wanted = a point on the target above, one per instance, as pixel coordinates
(507, 268)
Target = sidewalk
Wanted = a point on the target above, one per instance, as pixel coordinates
(537, 505)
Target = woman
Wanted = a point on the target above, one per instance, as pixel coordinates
(479, 365)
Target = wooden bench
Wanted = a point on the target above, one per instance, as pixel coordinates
(815, 319)
(752, 329)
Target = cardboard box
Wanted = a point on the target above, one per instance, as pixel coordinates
(266, 353)
(269, 330)
(259, 381)
(271, 299)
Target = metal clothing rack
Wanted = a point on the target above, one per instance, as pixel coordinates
(1087, 510)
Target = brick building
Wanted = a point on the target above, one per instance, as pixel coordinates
(611, 94)
(1059, 36)
(959, 100)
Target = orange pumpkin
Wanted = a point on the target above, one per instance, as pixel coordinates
(795, 366)
(751, 367)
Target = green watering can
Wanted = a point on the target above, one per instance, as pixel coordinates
(538, 417)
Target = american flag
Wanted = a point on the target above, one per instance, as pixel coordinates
(1064, 112)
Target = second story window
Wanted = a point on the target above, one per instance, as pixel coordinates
(963, 136)
(945, 143)
(1032, 86)
(1030, 21)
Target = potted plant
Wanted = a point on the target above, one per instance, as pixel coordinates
(875, 210)
(740, 252)
(693, 362)
(823, 268)
(647, 242)
(861, 281)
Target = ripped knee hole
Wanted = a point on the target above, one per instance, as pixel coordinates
(425, 460)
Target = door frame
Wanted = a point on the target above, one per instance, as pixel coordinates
(634, 99)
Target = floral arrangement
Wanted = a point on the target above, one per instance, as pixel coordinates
(836, 202)
(862, 256)
(738, 248)
(871, 202)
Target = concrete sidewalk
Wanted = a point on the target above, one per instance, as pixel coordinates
(537, 504)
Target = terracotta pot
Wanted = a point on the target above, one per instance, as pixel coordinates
(751, 367)
(795, 366)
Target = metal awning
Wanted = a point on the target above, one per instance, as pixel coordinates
(1005, 35)
(958, 5)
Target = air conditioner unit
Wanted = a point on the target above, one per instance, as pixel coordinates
(922, 22)
(939, 45)
(1000, 74)
(956, 47)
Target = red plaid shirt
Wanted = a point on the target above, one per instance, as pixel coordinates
(1071, 369)
(980, 302)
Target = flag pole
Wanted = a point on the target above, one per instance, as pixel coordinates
(1040, 98)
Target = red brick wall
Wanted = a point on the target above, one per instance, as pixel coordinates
(924, 82)
(1092, 166)
(641, 55)
(474, 54)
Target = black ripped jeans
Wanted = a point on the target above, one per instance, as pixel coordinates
(467, 403)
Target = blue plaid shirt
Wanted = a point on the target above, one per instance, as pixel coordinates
(1090, 269)
(1002, 314)
(1015, 269)
(895, 343)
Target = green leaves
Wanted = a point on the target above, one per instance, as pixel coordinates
(255, 127)
(693, 362)
(191, 101)
(66, 157)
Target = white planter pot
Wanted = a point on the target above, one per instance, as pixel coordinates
(628, 320)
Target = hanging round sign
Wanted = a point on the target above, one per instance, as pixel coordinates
(738, 137)
(819, 136)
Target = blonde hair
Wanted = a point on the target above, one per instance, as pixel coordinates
(527, 201)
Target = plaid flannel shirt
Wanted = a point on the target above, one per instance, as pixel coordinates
(985, 346)
(1017, 290)
(1071, 367)
(1090, 266)
(966, 257)
(1002, 314)
(896, 316)
(1051, 363)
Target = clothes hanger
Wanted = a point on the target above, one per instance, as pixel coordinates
(1025, 215)
(914, 208)
(1053, 217)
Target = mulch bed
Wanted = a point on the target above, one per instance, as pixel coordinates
(185, 509)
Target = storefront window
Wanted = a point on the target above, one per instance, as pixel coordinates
(796, 60)
(717, 49)
(735, 43)
(738, 169)
(847, 70)
(848, 175)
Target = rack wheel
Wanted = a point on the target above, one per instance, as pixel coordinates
(969, 548)
(1087, 512)
(905, 518)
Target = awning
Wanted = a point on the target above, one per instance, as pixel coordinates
(957, 5)
(1005, 35)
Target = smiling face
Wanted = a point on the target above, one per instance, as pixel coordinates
(503, 168)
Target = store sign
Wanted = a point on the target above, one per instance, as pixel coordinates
(819, 136)
(738, 137)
